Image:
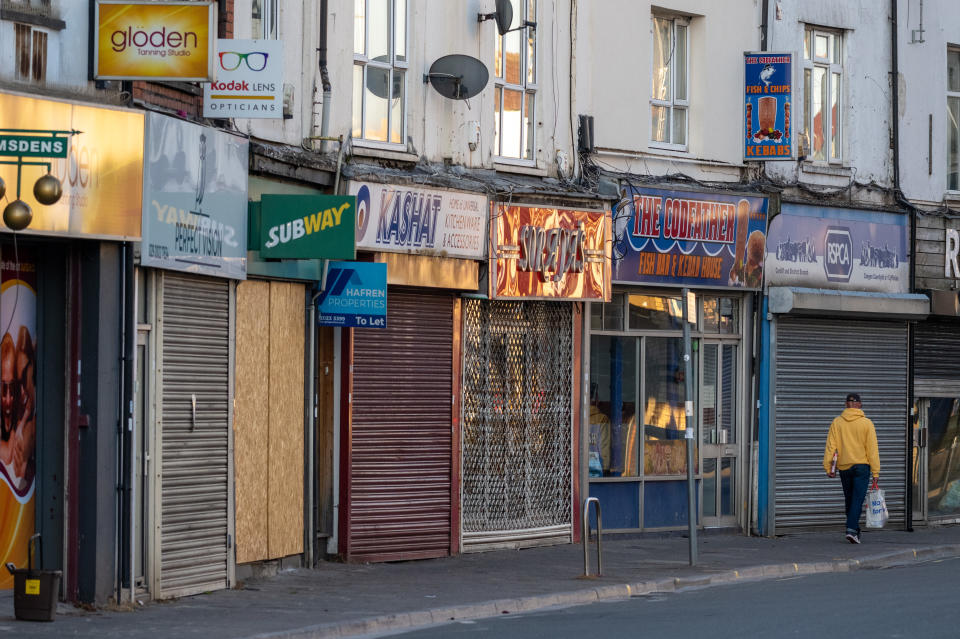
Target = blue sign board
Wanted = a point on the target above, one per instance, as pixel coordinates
(355, 296)
(768, 90)
(683, 238)
(837, 248)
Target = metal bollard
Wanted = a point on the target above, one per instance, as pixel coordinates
(586, 535)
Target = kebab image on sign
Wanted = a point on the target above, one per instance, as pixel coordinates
(747, 269)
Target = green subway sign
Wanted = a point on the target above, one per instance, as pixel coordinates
(308, 227)
(30, 146)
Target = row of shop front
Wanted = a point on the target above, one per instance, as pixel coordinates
(530, 356)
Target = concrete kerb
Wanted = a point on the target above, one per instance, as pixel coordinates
(499, 607)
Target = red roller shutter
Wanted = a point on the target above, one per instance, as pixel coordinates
(400, 440)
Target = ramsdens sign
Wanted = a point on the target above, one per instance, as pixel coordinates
(171, 40)
(308, 226)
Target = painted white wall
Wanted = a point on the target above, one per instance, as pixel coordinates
(613, 83)
(923, 86)
(866, 93)
(67, 50)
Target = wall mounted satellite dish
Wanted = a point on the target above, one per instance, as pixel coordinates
(457, 77)
(504, 17)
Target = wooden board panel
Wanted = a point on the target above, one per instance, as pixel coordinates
(285, 517)
(250, 420)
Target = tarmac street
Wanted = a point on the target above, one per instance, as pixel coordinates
(349, 600)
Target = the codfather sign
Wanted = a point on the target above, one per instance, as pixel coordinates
(148, 40)
(308, 226)
(838, 254)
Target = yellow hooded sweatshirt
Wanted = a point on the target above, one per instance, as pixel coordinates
(853, 437)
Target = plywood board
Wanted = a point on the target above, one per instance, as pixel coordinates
(285, 519)
(251, 421)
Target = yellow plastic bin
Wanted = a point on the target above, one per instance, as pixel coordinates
(34, 591)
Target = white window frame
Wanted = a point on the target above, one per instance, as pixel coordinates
(393, 65)
(269, 20)
(673, 103)
(951, 95)
(526, 87)
(831, 68)
(32, 31)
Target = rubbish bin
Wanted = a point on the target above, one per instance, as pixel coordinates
(34, 591)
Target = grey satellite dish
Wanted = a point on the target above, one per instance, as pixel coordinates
(378, 80)
(504, 17)
(457, 77)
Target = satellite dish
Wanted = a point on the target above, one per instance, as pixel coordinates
(378, 81)
(504, 16)
(458, 77)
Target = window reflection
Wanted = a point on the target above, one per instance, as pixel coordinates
(664, 415)
(614, 440)
(943, 486)
(661, 312)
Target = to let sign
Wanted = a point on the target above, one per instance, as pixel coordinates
(28, 146)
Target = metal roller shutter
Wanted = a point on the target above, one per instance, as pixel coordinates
(935, 372)
(817, 362)
(194, 465)
(517, 424)
(401, 432)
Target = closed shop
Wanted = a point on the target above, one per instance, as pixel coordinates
(819, 360)
(399, 451)
(838, 305)
(194, 461)
(517, 423)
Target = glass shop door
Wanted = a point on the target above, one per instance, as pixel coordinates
(719, 433)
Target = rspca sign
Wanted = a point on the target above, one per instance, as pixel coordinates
(837, 248)
(355, 295)
(307, 226)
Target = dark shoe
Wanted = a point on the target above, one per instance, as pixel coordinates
(853, 538)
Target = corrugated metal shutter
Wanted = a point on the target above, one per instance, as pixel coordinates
(401, 432)
(517, 424)
(194, 472)
(818, 362)
(936, 367)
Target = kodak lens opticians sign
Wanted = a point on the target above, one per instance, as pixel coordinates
(155, 40)
(308, 226)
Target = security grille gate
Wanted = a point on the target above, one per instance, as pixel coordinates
(818, 361)
(517, 424)
(195, 435)
(401, 444)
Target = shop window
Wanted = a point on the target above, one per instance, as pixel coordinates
(515, 85)
(614, 436)
(720, 315)
(664, 415)
(263, 19)
(953, 119)
(669, 99)
(822, 91)
(608, 317)
(31, 53)
(379, 70)
(659, 312)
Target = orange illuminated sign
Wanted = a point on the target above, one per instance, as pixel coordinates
(155, 40)
(548, 253)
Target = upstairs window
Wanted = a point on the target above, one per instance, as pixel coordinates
(669, 97)
(953, 119)
(515, 85)
(379, 70)
(31, 53)
(822, 92)
(263, 20)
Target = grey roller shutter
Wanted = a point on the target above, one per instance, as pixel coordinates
(817, 362)
(194, 471)
(935, 365)
(401, 442)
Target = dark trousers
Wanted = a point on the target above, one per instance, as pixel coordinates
(855, 481)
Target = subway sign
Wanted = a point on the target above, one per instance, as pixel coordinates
(308, 226)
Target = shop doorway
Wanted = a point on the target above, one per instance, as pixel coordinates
(935, 461)
(718, 432)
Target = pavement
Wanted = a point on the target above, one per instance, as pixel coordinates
(338, 600)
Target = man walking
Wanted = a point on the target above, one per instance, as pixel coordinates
(854, 440)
